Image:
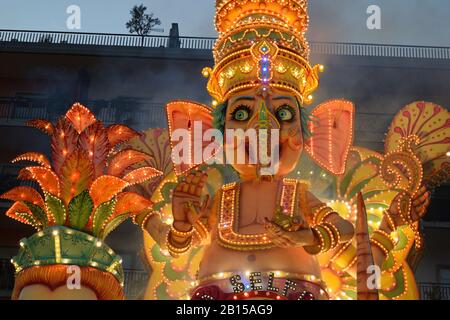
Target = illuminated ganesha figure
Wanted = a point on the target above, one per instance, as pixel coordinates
(260, 230)
(255, 197)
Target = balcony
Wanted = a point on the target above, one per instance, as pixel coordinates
(6, 279)
(16, 38)
(140, 114)
(104, 39)
(434, 291)
(8, 179)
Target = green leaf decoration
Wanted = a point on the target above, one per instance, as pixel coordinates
(56, 209)
(399, 285)
(389, 263)
(349, 175)
(80, 209)
(113, 224)
(39, 215)
(166, 190)
(358, 187)
(158, 206)
(30, 219)
(102, 213)
(373, 193)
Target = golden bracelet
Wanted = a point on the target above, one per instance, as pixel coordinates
(336, 233)
(332, 237)
(176, 251)
(181, 234)
(324, 241)
(322, 213)
(170, 241)
(319, 209)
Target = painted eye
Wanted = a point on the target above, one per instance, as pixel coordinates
(285, 113)
(241, 113)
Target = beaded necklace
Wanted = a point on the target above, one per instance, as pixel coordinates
(229, 216)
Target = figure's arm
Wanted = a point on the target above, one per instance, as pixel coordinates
(190, 214)
(327, 223)
(322, 231)
(381, 243)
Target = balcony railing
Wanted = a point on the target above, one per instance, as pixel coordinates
(6, 278)
(11, 37)
(105, 39)
(434, 291)
(135, 113)
(135, 283)
(8, 178)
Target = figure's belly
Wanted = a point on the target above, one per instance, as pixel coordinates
(219, 259)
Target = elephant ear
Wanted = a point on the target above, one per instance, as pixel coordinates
(332, 135)
(192, 118)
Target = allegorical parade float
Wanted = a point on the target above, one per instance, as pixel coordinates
(314, 217)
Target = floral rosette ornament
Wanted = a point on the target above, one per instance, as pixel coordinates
(82, 199)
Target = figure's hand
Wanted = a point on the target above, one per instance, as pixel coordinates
(187, 205)
(288, 239)
(420, 203)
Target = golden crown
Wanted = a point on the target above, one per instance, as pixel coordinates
(262, 42)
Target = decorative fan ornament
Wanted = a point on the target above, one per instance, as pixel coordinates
(430, 123)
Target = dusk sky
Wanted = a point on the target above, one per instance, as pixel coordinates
(413, 22)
